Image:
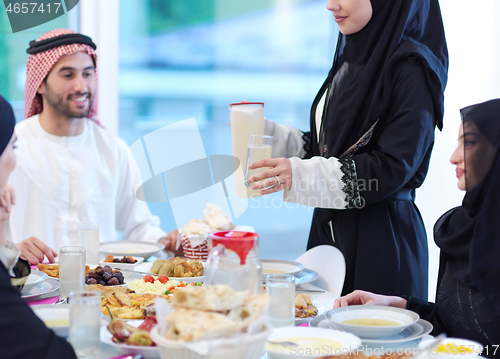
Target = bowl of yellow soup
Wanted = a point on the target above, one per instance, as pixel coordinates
(277, 266)
(311, 343)
(452, 347)
(372, 321)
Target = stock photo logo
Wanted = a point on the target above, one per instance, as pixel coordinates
(26, 14)
(171, 164)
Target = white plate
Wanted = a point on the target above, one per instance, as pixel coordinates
(146, 352)
(120, 265)
(130, 248)
(413, 332)
(348, 341)
(277, 266)
(305, 276)
(49, 312)
(146, 267)
(402, 319)
(33, 279)
(48, 286)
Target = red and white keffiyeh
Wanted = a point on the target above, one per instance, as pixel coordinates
(39, 66)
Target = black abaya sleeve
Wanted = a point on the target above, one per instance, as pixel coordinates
(398, 156)
(23, 334)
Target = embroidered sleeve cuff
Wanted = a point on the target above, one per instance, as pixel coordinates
(350, 182)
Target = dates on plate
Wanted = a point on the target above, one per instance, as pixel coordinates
(125, 259)
(104, 276)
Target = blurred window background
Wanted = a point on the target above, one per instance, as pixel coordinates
(181, 59)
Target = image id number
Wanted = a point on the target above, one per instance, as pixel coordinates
(33, 7)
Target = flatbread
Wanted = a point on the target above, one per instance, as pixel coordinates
(193, 325)
(217, 298)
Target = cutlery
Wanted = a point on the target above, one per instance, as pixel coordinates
(61, 301)
(285, 343)
(309, 290)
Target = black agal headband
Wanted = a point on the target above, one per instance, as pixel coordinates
(56, 41)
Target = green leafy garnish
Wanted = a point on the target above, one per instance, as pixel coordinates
(168, 292)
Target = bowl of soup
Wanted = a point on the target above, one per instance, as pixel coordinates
(372, 321)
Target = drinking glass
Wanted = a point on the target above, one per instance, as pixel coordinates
(87, 234)
(246, 118)
(71, 270)
(258, 148)
(281, 289)
(84, 323)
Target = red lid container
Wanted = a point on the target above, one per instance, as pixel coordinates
(239, 242)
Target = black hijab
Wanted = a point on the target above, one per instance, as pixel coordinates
(469, 235)
(7, 123)
(399, 30)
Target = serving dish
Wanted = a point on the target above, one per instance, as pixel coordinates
(372, 321)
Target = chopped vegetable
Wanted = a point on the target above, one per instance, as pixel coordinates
(168, 292)
(148, 278)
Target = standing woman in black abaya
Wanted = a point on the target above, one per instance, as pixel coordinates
(371, 138)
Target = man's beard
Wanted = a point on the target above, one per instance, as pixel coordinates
(63, 108)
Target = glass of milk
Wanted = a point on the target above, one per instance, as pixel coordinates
(247, 118)
(87, 234)
(259, 148)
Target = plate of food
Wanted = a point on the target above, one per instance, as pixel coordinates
(124, 262)
(54, 317)
(130, 248)
(131, 337)
(105, 276)
(306, 308)
(175, 268)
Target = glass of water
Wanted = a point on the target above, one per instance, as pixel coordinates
(281, 289)
(87, 234)
(84, 323)
(71, 270)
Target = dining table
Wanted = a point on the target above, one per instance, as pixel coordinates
(321, 298)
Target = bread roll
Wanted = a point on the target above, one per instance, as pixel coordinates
(157, 265)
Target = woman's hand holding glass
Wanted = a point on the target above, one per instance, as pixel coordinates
(277, 178)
